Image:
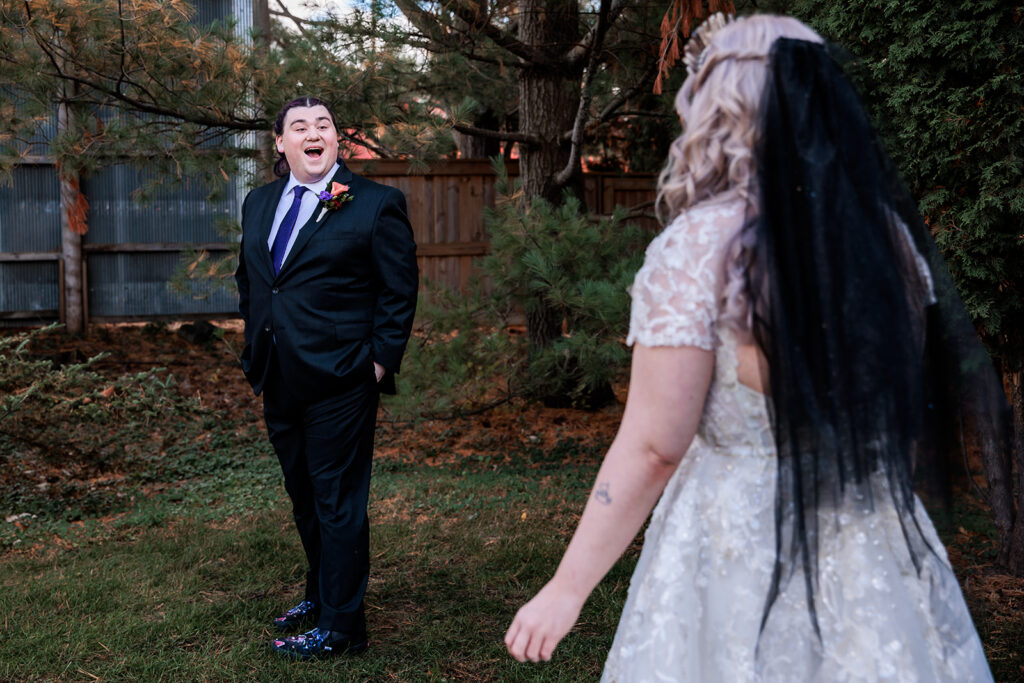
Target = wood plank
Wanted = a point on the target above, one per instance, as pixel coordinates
(442, 249)
(29, 315)
(471, 209)
(146, 247)
(373, 168)
(13, 257)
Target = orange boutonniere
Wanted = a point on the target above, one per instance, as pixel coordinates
(332, 199)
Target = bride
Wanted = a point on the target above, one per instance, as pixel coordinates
(798, 348)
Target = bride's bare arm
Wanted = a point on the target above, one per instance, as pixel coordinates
(666, 396)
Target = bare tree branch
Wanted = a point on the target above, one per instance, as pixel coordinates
(583, 112)
(472, 14)
(626, 95)
(425, 22)
(594, 36)
(372, 145)
(648, 114)
(507, 136)
(300, 24)
(441, 33)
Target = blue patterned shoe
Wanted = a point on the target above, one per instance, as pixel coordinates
(304, 612)
(318, 644)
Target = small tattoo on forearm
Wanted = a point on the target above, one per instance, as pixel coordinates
(603, 495)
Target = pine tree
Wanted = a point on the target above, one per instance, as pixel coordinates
(946, 90)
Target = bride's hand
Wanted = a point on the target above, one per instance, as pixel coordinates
(542, 622)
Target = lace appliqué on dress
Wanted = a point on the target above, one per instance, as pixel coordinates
(675, 292)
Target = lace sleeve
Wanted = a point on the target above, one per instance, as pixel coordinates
(675, 300)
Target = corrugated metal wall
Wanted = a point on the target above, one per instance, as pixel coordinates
(141, 246)
(30, 211)
(209, 11)
(131, 250)
(30, 226)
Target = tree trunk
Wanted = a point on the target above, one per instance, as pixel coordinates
(548, 93)
(548, 99)
(70, 237)
(1015, 552)
(261, 19)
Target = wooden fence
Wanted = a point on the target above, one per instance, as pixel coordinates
(446, 208)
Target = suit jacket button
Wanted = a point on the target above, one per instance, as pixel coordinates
(267, 328)
(275, 290)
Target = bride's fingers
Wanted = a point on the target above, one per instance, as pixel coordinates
(519, 645)
(533, 649)
(510, 635)
(547, 648)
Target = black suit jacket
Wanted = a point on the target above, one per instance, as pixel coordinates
(344, 298)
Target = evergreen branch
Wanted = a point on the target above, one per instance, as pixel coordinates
(146, 91)
(230, 123)
(124, 44)
(55, 53)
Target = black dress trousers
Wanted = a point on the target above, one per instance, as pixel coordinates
(325, 447)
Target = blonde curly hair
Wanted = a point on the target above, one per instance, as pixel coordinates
(719, 107)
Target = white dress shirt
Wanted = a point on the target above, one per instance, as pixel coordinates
(306, 209)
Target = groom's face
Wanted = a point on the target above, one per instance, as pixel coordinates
(309, 141)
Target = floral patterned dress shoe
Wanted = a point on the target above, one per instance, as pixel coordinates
(318, 644)
(305, 611)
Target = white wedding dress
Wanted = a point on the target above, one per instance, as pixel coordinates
(697, 595)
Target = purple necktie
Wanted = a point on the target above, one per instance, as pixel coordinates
(285, 231)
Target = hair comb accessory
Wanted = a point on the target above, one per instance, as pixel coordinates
(697, 46)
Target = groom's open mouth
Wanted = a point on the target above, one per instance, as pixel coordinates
(313, 152)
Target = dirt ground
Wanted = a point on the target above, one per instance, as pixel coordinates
(208, 369)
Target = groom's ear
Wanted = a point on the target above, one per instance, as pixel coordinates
(280, 145)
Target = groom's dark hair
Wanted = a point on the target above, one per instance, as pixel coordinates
(281, 167)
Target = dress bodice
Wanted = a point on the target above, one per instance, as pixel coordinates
(678, 301)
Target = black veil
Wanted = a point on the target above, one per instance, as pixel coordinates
(872, 358)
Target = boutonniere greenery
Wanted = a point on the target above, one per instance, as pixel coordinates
(331, 200)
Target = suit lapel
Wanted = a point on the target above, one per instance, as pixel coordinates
(311, 226)
(273, 198)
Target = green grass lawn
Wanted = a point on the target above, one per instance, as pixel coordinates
(175, 572)
(183, 586)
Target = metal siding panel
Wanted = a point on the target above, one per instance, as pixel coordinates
(129, 285)
(209, 11)
(176, 214)
(29, 287)
(30, 210)
(243, 11)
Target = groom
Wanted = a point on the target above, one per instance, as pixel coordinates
(327, 283)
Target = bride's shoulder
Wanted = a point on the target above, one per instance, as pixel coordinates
(722, 212)
(706, 223)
